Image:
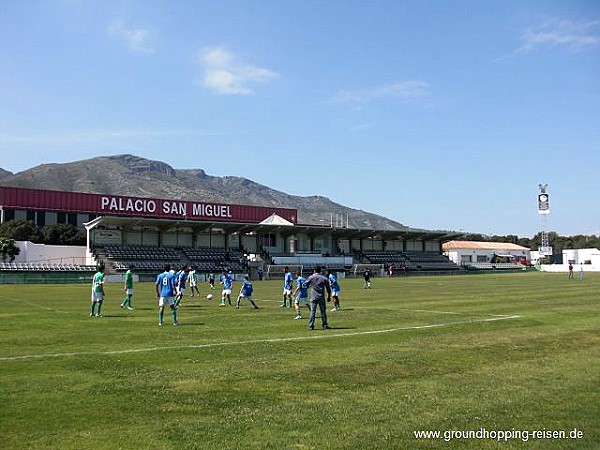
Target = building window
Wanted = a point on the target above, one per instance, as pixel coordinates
(9, 214)
(61, 217)
(30, 215)
(41, 219)
(268, 240)
(73, 219)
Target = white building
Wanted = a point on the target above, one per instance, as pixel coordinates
(474, 252)
(588, 258)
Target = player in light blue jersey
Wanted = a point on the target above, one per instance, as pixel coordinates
(301, 294)
(246, 292)
(165, 291)
(180, 280)
(335, 289)
(288, 282)
(227, 283)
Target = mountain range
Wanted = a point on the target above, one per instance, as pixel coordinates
(131, 175)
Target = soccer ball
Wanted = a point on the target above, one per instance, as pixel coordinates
(209, 297)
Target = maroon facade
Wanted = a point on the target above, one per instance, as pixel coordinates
(113, 205)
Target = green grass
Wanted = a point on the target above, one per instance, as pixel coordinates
(423, 353)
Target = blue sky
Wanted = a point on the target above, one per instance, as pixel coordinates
(437, 114)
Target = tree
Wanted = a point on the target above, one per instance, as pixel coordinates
(63, 234)
(557, 242)
(20, 230)
(474, 237)
(8, 249)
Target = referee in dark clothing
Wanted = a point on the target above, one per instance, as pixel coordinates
(319, 284)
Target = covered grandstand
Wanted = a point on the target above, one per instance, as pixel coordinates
(149, 233)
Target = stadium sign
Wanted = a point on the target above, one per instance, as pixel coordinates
(97, 204)
(168, 207)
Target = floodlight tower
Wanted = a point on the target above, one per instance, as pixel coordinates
(544, 210)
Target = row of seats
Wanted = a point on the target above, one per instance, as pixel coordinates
(425, 257)
(152, 259)
(377, 258)
(215, 259)
(411, 260)
(145, 266)
(158, 266)
(205, 253)
(137, 252)
(494, 266)
(42, 266)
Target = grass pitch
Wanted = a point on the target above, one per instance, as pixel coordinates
(457, 356)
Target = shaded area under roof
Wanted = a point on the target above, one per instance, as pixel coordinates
(284, 228)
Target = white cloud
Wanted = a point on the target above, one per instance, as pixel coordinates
(573, 35)
(216, 57)
(223, 74)
(405, 91)
(137, 40)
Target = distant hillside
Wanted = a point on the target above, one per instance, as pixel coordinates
(139, 177)
(5, 174)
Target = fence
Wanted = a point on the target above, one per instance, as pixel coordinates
(39, 277)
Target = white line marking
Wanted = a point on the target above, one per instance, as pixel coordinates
(435, 312)
(452, 312)
(328, 335)
(37, 305)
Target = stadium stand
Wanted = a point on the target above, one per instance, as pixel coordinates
(215, 259)
(407, 262)
(412, 260)
(152, 259)
(144, 257)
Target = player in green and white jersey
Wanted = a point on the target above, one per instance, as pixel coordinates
(126, 303)
(97, 292)
(192, 278)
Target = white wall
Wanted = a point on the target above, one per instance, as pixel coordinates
(453, 256)
(104, 237)
(53, 254)
(456, 256)
(594, 267)
(579, 256)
